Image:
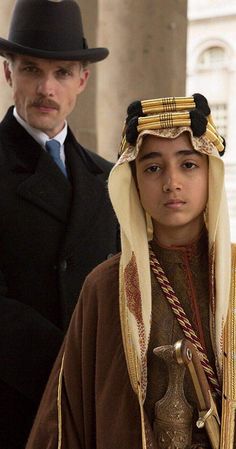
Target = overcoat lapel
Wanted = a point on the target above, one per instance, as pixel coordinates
(48, 188)
(88, 197)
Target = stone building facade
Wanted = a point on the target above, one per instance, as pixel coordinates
(211, 70)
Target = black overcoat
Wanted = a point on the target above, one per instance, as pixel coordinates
(53, 231)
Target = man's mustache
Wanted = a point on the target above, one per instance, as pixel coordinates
(45, 103)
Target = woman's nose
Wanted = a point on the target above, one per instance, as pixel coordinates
(171, 183)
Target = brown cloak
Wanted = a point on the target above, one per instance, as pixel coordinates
(97, 404)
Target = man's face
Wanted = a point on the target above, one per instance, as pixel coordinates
(172, 180)
(45, 91)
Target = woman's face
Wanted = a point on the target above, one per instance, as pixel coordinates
(172, 180)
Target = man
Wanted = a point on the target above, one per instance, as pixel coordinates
(108, 389)
(57, 222)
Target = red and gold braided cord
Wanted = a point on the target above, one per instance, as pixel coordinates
(183, 320)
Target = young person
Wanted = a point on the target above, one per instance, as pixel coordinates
(57, 222)
(171, 280)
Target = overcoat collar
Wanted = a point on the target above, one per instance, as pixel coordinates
(39, 179)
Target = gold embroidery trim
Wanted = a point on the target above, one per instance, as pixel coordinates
(132, 362)
(59, 408)
(229, 367)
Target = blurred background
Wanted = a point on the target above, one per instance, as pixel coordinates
(157, 48)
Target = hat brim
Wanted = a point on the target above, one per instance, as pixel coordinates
(89, 54)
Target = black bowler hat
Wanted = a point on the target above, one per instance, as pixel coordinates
(49, 29)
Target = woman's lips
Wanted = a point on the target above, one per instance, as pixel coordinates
(174, 204)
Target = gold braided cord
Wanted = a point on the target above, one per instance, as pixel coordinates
(214, 138)
(169, 104)
(164, 125)
(213, 129)
(160, 109)
(167, 120)
(167, 116)
(168, 101)
(170, 120)
(210, 119)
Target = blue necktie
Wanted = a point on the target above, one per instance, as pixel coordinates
(53, 148)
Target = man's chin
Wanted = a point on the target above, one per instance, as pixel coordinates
(42, 124)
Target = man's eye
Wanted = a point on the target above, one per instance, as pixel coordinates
(64, 73)
(30, 69)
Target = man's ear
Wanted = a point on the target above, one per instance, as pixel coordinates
(84, 76)
(7, 72)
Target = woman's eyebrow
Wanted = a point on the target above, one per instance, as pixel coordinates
(184, 152)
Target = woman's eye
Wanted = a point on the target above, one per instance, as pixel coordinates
(190, 165)
(153, 169)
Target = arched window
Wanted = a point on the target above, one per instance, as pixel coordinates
(212, 58)
(210, 63)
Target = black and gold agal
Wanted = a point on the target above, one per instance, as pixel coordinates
(50, 29)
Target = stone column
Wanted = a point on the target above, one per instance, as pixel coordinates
(5, 90)
(147, 42)
(83, 118)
